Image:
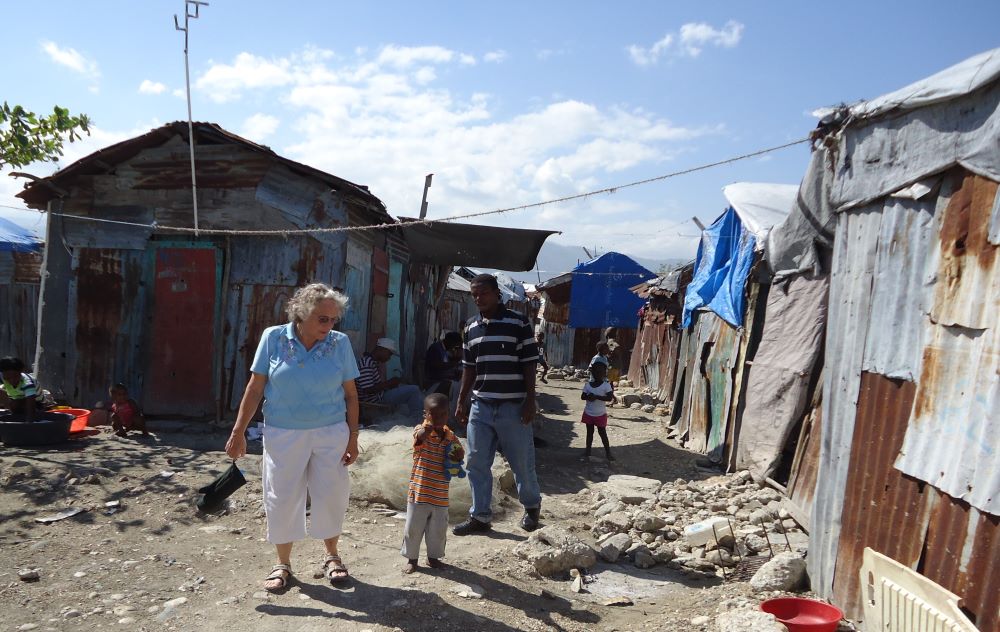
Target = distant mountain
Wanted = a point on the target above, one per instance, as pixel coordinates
(554, 259)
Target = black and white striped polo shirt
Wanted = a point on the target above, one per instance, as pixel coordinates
(498, 348)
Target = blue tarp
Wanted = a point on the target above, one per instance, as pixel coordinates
(600, 295)
(725, 255)
(13, 238)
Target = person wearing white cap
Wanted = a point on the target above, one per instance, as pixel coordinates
(373, 388)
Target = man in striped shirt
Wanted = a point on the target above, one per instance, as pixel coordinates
(372, 388)
(499, 357)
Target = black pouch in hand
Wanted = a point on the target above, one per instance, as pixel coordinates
(221, 488)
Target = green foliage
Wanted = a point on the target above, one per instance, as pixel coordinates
(26, 137)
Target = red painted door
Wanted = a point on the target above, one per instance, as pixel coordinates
(182, 339)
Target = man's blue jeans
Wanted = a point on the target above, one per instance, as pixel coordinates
(407, 395)
(497, 424)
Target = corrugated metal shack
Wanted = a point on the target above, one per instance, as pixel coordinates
(20, 276)
(590, 295)
(721, 302)
(908, 462)
(177, 316)
(657, 343)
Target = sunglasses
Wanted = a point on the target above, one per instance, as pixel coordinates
(326, 320)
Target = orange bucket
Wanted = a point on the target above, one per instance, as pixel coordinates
(80, 417)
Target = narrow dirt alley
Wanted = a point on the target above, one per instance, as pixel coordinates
(141, 557)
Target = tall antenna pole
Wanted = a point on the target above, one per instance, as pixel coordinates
(187, 83)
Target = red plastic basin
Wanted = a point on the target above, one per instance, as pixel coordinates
(803, 615)
(80, 417)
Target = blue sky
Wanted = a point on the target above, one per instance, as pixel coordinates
(507, 103)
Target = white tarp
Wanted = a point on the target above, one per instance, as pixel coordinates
(761, 205)
(960, 79)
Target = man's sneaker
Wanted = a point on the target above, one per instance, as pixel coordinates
(471, 526)
(530, 520)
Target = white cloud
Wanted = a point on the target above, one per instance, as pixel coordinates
(690, 41)
(645, 56)
(259, 126)
(697, 35)
(495, 57)
(405, 56)
(75, 61)
(226, 82)
(151, 87)
(179, 93)
(384, 119)
(70, 58)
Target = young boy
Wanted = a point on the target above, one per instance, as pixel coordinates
(125, 413)
(22, 389)
(427, 500)
(597, 393)
(542, 362)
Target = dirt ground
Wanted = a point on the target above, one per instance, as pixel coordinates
(117, 567)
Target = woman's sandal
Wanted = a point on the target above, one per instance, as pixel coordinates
(279, 572)
(334, 569)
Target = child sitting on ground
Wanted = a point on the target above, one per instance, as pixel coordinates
(125, 413)
(427, 499)
(597, 393)
(21, 389)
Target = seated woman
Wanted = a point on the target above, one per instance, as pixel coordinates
(22, 389)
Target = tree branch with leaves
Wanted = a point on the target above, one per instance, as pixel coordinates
(26, 137)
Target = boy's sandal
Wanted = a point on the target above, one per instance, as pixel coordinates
(279, 572)
(334, 569)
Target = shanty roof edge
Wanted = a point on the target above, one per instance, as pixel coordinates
(40, 191)
(473, 245)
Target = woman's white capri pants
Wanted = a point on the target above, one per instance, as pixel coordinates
(300, 461)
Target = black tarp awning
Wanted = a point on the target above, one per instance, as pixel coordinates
(445, 243)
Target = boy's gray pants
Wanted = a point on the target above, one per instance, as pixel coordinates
(425, 522)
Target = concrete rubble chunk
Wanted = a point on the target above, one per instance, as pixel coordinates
(747, 620)
(610, 507)
(646, 521)
(553, 550)
(618, 522)
(628, 400)
(642, 558)
(632, 490)
(613, 547)
(786, 572)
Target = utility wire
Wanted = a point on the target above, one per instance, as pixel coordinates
(521, 207)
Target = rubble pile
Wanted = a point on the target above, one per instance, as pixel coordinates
(643, 522)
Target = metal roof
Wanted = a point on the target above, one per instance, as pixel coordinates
(38, 192)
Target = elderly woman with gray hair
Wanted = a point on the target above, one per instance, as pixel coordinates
(304, 371)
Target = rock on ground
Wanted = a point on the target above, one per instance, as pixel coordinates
(647, 521)
(786, 572)
(633, 490)
(613, 547)
(748, 621)
(553, 551)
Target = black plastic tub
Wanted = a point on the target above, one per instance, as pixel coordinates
(46, 429)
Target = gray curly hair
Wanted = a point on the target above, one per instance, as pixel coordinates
(305, 299)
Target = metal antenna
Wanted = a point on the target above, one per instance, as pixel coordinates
(197, 4)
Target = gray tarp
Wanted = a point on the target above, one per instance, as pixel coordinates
(513, 249)
(778, 383)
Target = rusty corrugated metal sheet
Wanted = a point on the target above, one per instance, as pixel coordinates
(851, 275)
(883, 509)
(106, 321)
(559, 340)
(696, 407)
(19, 311)
(959, 389)
(962, 553)
(802, 479)
(723, 357)
(27, 267)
